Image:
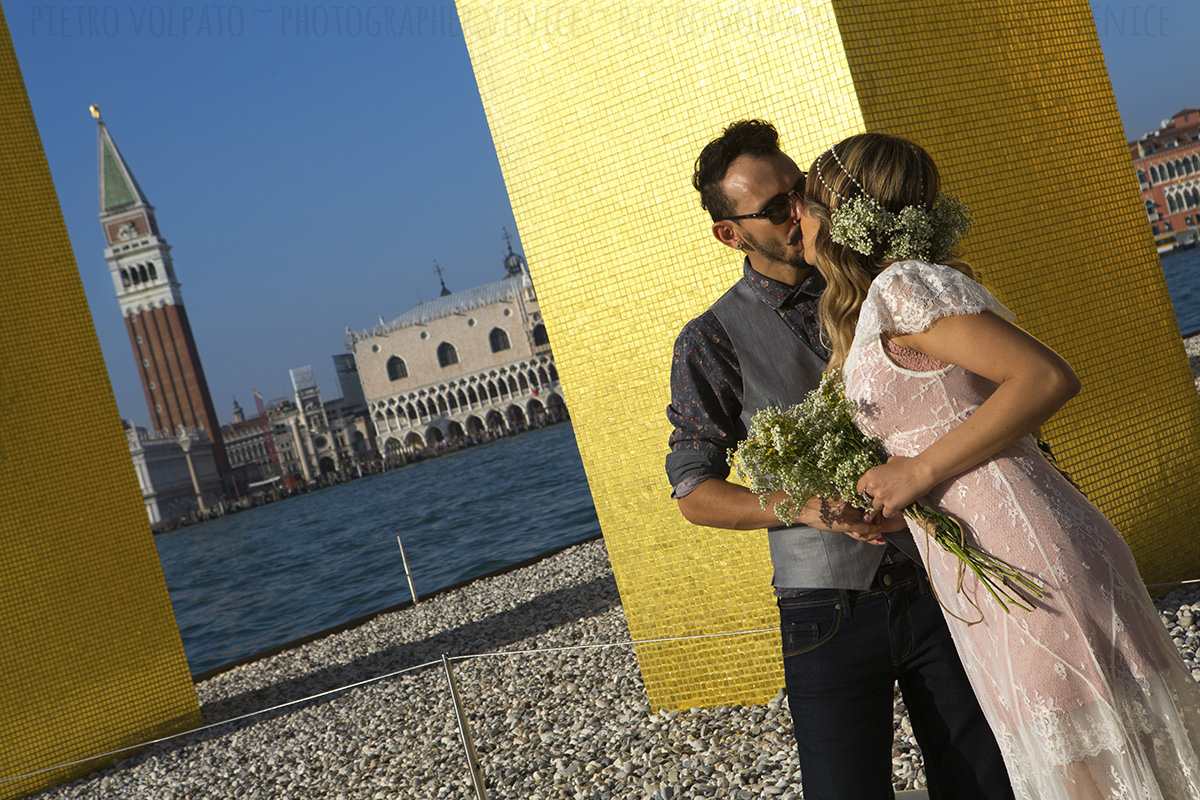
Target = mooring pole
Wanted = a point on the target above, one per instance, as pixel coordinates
(407, 573)
(464, 731)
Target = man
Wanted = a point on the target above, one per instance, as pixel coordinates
(856, 613)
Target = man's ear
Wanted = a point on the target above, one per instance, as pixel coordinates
(724, 233)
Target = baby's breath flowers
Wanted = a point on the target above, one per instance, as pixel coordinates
(815, 448)
(866, 227)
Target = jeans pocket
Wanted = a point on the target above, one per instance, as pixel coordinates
(806, 628)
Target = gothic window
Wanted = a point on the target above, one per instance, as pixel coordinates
(462, 399)
(553, 374)
(452, 401)
(421, 408)
(142, 272)
(396, 368)
(153, 272)
(512, 384)
(499, 340)
(412, 412)
(543, 379)
(533, 379)
(1141, 176)
(1171, 203)
(133, 276)
(124, 277)
(441, 404)
(539, 335)
(474, 398)
(524, 384)
(1170, 169)
(1196, 162)
(446, 354)
(492, 390)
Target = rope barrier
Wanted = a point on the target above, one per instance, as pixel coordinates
(376, 679)
(396, 673)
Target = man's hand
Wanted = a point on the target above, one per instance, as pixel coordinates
(836, 515)
(717, 503)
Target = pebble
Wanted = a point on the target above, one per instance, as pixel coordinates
(567, 725)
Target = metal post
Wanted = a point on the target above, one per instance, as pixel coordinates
(464, 731)
(408, 574)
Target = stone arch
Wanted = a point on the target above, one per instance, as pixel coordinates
(536, 412)
(522, 382)
(516, 416)
(447, 354)
(327, 464)
(475, 426)
(495, 421)
(414, 440)
(455, 432)
(498, 339)
(556, 408)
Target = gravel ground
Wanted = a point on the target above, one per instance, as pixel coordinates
(570, 725)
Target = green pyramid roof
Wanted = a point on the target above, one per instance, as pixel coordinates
(119, 190)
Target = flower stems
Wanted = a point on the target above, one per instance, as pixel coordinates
(1000, 578)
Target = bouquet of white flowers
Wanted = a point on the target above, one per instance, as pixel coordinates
(814, 448)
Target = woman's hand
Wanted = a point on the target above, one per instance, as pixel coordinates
(895, 486)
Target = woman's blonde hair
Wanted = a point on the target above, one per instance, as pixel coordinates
(895, 173)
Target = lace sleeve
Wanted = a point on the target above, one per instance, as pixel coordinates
(909, 296)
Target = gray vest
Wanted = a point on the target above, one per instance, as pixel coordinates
(778, 369)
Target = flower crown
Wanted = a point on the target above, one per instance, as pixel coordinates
(863, 225)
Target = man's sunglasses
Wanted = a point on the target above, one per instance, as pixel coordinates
(778, 209)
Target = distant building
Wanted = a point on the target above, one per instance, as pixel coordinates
(1168, 170)
(310, 438)
(467, 366)
(143, 275)
(177, 474)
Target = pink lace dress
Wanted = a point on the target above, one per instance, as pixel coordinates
(1087, 694)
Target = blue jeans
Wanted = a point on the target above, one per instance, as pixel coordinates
(843, 652)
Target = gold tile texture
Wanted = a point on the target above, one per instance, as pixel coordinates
(91, 653)
(598, 114)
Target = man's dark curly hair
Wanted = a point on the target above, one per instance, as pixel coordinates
(748, 137)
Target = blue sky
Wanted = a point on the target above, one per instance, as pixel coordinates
(309, 163)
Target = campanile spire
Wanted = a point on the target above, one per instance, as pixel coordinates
(143, 275)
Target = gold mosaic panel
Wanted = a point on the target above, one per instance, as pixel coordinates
(598, 114)
(91, 655)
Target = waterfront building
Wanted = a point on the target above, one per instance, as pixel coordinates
(1167, 161)
(176, 473)
(311, 439)
(148, 291)
(467, 366)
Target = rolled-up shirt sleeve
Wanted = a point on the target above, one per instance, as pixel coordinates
(706, 402)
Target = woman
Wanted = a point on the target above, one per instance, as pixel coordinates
(1087, 695)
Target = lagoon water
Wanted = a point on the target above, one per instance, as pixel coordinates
(1182, 271)
(279, 572)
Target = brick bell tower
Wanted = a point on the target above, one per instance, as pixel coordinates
(139, 260)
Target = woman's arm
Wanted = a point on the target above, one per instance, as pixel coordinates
(1033, 383)
(720, 504)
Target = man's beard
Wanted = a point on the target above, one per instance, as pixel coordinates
(778, 252)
